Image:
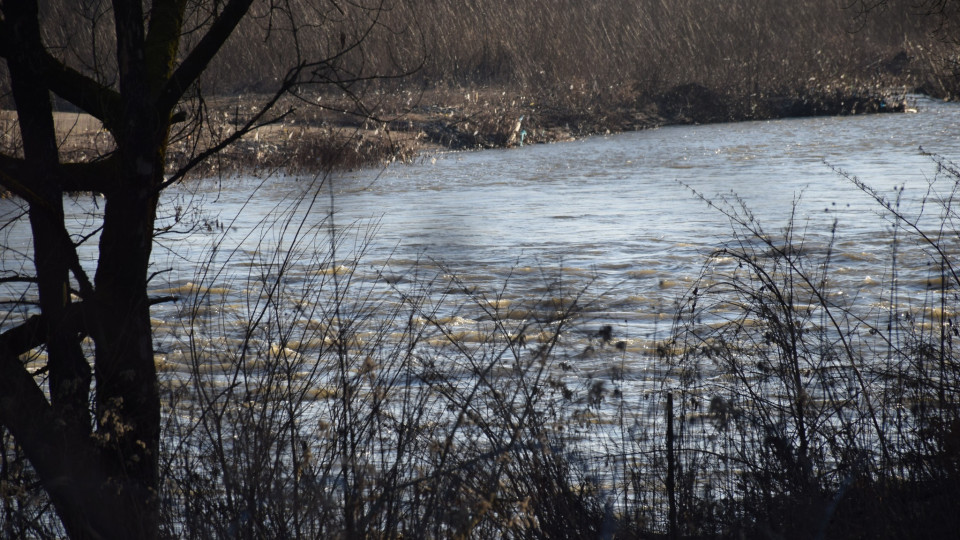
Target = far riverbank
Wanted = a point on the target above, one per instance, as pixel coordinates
(398, 126)
(322, 133)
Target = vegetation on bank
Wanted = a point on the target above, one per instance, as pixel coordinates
(561, 49)
(319, 398)
(479, 74)
(571, 69)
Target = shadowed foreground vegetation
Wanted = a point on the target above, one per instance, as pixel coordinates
(319, 398)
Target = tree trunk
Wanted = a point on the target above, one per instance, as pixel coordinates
(128, 402)
(101, 471)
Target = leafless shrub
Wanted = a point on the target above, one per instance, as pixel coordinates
(327, 399)
(805, 409)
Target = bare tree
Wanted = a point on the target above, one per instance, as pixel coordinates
(945, 13)
(89, 421)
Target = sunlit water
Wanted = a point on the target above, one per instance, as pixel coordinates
(616, 216)
(620, 210)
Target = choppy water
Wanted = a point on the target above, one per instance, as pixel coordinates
(486, 245)
(616, 209)
(617, 213)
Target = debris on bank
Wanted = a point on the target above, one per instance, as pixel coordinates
(475, 120)
(320, 137)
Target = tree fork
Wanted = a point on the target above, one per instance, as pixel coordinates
(101, 472)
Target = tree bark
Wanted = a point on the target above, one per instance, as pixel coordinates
(101, 469)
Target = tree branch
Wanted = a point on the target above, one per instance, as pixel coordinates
(101, 102)
(253, 124)
(18, 188)
(64, 457)
(163, 40)
(32, 332)
(201, 55)
(98, 100)
(95, 176)
(18, 279)
(23, 337)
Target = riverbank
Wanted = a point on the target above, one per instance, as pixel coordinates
(325, 133)
(399, 126)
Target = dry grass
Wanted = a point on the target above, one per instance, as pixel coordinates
(469, 71)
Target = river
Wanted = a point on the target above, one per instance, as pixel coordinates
(614, 218)
(617, 211)
(419, 299)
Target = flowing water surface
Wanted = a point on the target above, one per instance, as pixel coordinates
(616, 216)
(425, 298)
(620, 211)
